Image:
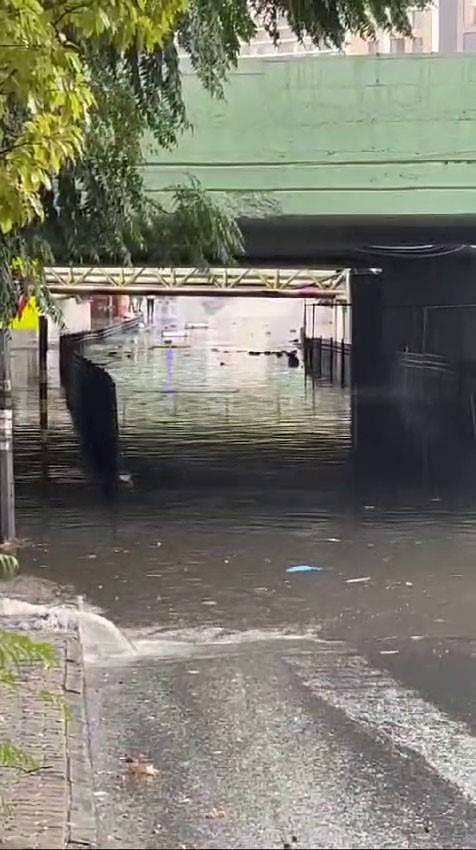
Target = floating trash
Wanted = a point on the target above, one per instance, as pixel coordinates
(360, 580)
(304, 568)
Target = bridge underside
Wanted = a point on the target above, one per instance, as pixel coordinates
(324, 157)
(348, 241)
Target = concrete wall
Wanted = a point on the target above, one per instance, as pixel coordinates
(76, 316)
(430, 307)
(334, 136)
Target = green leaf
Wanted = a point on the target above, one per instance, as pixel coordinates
(8, 564)
(59, 702)
(16, 649)
(14, 757)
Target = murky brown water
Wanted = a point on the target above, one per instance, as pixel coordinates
(240, 469)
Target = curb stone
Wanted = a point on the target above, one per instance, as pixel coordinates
(81, 815)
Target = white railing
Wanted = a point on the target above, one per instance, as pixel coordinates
(317, 283)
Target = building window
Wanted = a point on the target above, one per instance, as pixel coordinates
(373, 47)
(397, 45)
(470, 13)
(469, 42)
(417, 45)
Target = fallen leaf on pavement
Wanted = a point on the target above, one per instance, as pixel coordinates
(140, 766)
(216, 814)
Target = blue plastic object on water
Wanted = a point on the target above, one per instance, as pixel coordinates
(304, 568)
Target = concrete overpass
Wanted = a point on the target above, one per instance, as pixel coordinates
(323, 157)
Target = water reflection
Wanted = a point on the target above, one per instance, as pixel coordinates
(240, 468)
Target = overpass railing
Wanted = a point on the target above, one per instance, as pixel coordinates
(214, 281)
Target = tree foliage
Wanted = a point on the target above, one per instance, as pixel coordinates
(328, 23)
(47, 98)
(88, 86)
(46, 95)
(100, 210)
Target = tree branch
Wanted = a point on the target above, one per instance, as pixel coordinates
(70, 11)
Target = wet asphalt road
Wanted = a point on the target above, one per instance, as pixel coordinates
(274, 743)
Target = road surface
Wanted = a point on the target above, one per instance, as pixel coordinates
(271, 742)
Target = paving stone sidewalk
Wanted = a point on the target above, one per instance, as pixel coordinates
(52, 807)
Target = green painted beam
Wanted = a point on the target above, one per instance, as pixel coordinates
(334, 136)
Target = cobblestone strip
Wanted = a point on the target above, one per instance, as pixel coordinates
(51, 807)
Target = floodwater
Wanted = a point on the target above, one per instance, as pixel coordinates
(240, 469)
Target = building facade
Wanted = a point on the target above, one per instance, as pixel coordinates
(288, 44)
(457, 26)
(447, 26)
(424, 39)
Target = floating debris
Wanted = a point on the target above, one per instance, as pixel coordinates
(304, 568)
(360, 580)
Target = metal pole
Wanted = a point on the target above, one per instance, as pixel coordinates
(342, 363)
(7, 481)
(43, 370)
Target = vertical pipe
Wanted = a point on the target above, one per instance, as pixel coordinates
(7, 481)
(473, 413)
(320, 356)
(43, 372)
(313, 359)
(371, 411)
(342, 363)
(424, 331)
(331, 360)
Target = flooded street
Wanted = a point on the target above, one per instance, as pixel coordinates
(334, 707)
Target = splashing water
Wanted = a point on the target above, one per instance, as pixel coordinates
(100, 638)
